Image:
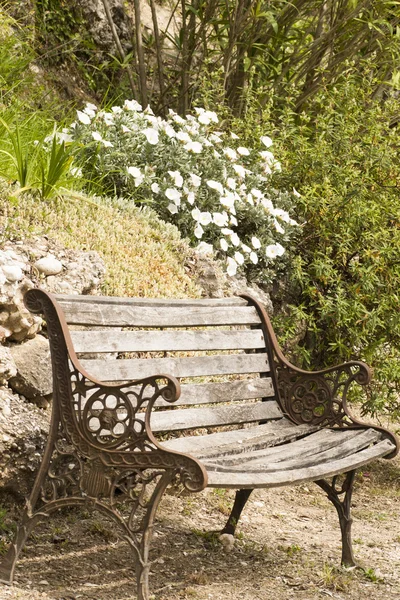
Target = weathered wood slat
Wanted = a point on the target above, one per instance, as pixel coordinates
(227, 391)
(252, 438)
(115, 300)
(276, 451)
(210, 393)
(191, 418)
(234, 480)
(331, 446)
(166, 341)
(84, 313)
(198, 366)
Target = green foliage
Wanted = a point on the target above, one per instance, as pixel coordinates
(53, 168)
(344, 282)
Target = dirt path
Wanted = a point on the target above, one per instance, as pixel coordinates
(287, 547)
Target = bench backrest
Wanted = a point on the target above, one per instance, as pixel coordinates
(217, 348)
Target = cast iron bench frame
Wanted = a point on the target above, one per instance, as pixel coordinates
(102, 445)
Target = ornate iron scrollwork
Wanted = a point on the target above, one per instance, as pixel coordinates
(318, 398)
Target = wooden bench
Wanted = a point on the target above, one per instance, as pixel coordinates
(240, 417)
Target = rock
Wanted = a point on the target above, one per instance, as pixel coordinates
(33, 363)
(7, 365)
(49, 265)
(12, 273)
(96, 21)
(56, 270)
(23, 434)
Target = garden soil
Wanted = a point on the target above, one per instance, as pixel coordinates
(287, 547)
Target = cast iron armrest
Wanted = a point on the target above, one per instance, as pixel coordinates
(108, 423)
(125, 411)
(316, 397)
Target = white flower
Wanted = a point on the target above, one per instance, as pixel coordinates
(241, 171)
(198, 232)
(277, 166)
(204, 119)
(116, 109)
(194, 147)
(274, 250)
(267, 204)
(196, 214)
(215, 138)
(266, 141)
(278, 227)
(269, 157)
(205, 218)
(233, 221)
(249, 199)
(234, 136)
(216, 154)
(224, 244)
(90, 113)
(148, 110)
(195, 180)
(191, 197)
(173, 209)
(125, 129)
(215, 185)
(256, 193)
(230, 153)
(205, 248)
(64, 137)
(183, 136)
(155, 188)
(235, 239)
(134, 171)
(228, 200)
(246, 248)
(107, 144)
(226, 231)
(212, 116)
(173, 194)
(132, 105)
(282, 214)
(83, 117)
(139, 180)
(108, 119)
(220, 219)
(151, 135)
(239, 258)
(253, 258)
(177, 177)
(231, 183)
(206, 116)
(243, 151)
(255, 242)
(170, 131)
(232, 266)
(296, 193)
(90, 106)
(178, 119)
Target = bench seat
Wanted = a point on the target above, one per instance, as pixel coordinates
(285, 454)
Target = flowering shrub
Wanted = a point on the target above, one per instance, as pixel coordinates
(213, 188)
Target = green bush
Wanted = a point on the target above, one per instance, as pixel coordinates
(344, 281)
(214, 189)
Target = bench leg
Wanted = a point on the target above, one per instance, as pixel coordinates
(240, 500)
(343, 508)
